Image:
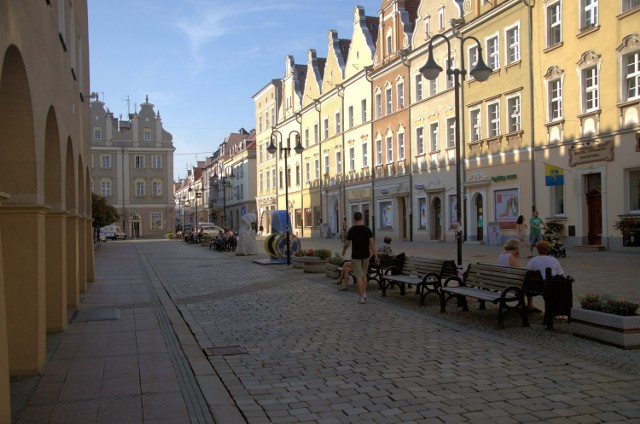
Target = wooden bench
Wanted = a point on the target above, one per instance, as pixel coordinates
(426, 273)
(504, 286)
(375, 271)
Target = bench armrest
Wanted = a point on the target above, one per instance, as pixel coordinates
(453, 279)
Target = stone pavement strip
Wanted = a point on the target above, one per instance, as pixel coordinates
(209, 336)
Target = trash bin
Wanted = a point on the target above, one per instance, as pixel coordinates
(558, 297)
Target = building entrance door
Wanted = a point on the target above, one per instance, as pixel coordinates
(480, 218)
(594, 209)
(437, 219)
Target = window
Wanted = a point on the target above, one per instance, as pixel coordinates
(147, 134)
(450, 78)
(451, 132)
(389, 149)
(365, 155)
(261, 182)
(386, 213)
(427, 26)
(338, 163)
(308, 218)
(389, 44)
(139, 160)
(97, 133)
(326, 128)
(379, 151)
(307, 171)
(156, 188)
(557, 199)
(389, 101)
(363, 110)
(441, 18)
(418, 87)
(400, 146)
(420, 140)
(105, 161)
(350, 115)
(433, 87)
(156, 162)
(280, 180)
(493, 52)
(590, 89)
(338, 129)
(298, 174)
(634, 191)
(590, 13)
(316, 134)
(473, 57)
(316, 168)
(512, 37)
(555, 99)
(433, 136)
(400, 89)
(298, 218)
(326, 164)
(513, 114)
(554, 24)
(631, 63)
(267, 174)
(352, 158)
(378, 105)
(630, 4)
(140, 188)
(474, 125)
(288, 177)
(105, 188)
(493, 120)
(306, 138)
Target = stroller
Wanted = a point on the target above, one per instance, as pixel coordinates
(557, 248)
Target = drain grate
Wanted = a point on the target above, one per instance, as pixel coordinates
(225, 351)
(95, 315)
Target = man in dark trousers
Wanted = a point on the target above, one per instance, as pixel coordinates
(363, 248)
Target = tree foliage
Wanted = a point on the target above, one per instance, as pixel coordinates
(103, 213)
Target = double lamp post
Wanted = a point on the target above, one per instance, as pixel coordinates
(223, 180)
(480, 72)
(298, 149)
(198, 193)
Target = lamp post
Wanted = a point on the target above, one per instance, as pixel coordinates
(224, 182)
(179, 200)
(298, 149)
(198, 193)
(480, 72)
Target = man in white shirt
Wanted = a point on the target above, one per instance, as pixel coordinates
(544, 261)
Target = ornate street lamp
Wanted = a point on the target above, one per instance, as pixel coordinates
(225, 183)
(480, 72)
(198, 193)
(298, 149)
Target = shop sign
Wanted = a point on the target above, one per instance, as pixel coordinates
(503, 177)
(362, 193)
(591, 152)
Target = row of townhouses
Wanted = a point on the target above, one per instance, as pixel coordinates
(553, 124)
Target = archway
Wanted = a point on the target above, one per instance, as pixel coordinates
(436, 218)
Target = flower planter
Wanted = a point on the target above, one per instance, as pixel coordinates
(611, 329)
(331, 270)
(313, 264)
(631, 238)
(296, 262)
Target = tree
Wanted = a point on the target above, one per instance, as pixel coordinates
(103, 213)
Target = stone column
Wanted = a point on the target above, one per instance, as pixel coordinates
(23, 250)
(73, 270)
(5, 404)
(91, 266)
(56, 270)
(82, 254)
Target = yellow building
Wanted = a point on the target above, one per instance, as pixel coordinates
(46, 254)
(586, 69)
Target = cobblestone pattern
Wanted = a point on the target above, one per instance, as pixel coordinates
(316, 356)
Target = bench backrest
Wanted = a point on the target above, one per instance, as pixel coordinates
(497, 277)
(421, 266)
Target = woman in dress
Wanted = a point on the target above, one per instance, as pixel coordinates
(521, 233)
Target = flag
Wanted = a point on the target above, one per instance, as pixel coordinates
(553, 175)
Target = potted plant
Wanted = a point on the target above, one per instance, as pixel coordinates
(331, 268)
(629, 226)
(315, 260)
(297, 258)
(608, 320)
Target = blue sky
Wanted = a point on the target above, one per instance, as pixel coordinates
(201, 61)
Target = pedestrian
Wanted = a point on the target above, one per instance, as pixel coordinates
(345, 227)
(521, 233)
(535, 232)
(363, 247)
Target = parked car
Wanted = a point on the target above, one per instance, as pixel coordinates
(209, 228)
(113, 232)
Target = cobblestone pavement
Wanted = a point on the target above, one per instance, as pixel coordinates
(305, 352)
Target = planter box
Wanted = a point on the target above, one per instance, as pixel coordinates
(331, 271)
(296, 262)
(313, 264)
(611, 329)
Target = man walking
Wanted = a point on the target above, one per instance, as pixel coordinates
(363, 248)
(535, 233)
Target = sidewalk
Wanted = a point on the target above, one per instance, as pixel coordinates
(177, 333)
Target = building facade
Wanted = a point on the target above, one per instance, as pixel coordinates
(46, 253)
(132, 167)
(543, 132)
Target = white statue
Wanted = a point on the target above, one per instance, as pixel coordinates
(247, 236)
